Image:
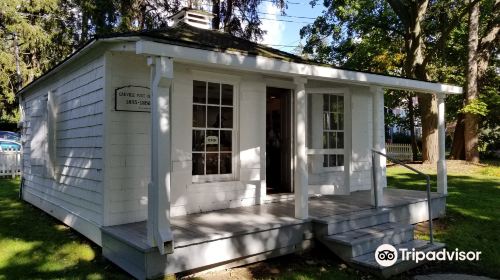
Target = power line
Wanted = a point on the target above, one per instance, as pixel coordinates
(289, 46)
(285, 20)
(288, 16)
(288, 2)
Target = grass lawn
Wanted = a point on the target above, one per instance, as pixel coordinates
(35, 246)
(472, 220)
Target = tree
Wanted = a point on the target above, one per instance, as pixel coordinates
(33, 37)
(419, 28)
(240, 17)
(480, 49)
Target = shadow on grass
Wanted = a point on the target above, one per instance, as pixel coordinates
(472, 221)
(35, 245)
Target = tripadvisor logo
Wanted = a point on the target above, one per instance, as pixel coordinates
(387, 255)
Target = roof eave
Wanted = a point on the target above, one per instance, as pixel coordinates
(89, 46)
(275, 66)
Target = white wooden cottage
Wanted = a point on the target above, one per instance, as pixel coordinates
(184, 149)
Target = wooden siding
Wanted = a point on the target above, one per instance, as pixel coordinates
(75, 187)
(127, 141)
(362, 139)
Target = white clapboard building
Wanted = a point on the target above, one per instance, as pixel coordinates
(187, 148)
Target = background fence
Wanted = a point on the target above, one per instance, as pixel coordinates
(10, 163)
(401, 152)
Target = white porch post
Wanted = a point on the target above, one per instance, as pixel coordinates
(158, 223)
(300, 170)
(379, 162)
(442, 181)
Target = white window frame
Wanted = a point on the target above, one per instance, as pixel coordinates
(316, 166)
(210, 77)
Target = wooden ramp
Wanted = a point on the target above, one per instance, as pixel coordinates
(238, 236)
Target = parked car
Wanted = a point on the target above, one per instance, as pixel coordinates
(9, 135)
(9, 145)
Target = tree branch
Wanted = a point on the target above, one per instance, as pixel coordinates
(446, 33)
(401, 10)
(489, 41)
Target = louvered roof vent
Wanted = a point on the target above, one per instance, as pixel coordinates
(196, 18)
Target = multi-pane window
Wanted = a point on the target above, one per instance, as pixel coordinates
(333, 130)
(212, 128)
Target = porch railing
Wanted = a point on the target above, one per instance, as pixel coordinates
(427, 179)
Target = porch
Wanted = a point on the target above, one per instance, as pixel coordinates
(238, 236)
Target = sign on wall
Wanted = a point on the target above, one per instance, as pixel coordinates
(212, 140)
(133, 98)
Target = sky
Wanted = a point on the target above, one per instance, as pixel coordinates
(283, 31)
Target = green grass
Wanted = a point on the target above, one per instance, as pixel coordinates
(472, 220)
(33, 245)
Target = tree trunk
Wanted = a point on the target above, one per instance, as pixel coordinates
(414, 66)
(428, 111)
(228, 14)
(458, 145)
(471, 126)
(216, 13)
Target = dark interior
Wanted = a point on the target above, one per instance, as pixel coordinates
(278, 140)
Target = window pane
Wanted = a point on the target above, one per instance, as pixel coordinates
(227, 117)
(199, 140)
(198, 164)
(325, 140)
(212, 163)
(199, 92)
(334, 121)
(332, 140)
(227, 95)
(332, 160)
(333, 103)
(340, 104)
(213, 93)
(199, 116)
(325, 103)
(340, 160)
(325, 160)
(213, 116)
(341, 121)
(212, 141)
(225, 163)
(326, 121)
(340, 140)
(226, 139)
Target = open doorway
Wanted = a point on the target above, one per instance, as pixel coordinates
(278, 141)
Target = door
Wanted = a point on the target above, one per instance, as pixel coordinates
(278, 140)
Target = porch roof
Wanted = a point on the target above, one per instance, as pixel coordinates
(191, 44)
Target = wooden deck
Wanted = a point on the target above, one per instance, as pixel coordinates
(250, 231)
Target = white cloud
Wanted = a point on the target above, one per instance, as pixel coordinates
(274, 35)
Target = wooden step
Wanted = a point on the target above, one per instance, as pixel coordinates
(367, 262)
(348, 222)
(362, 241)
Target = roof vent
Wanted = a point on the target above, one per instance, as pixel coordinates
(196, 18)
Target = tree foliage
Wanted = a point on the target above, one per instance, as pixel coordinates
(423, 39)
(37, 34)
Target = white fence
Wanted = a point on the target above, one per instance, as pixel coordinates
(399, 151)
(10, 163)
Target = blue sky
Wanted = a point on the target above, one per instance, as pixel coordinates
(285, 32)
